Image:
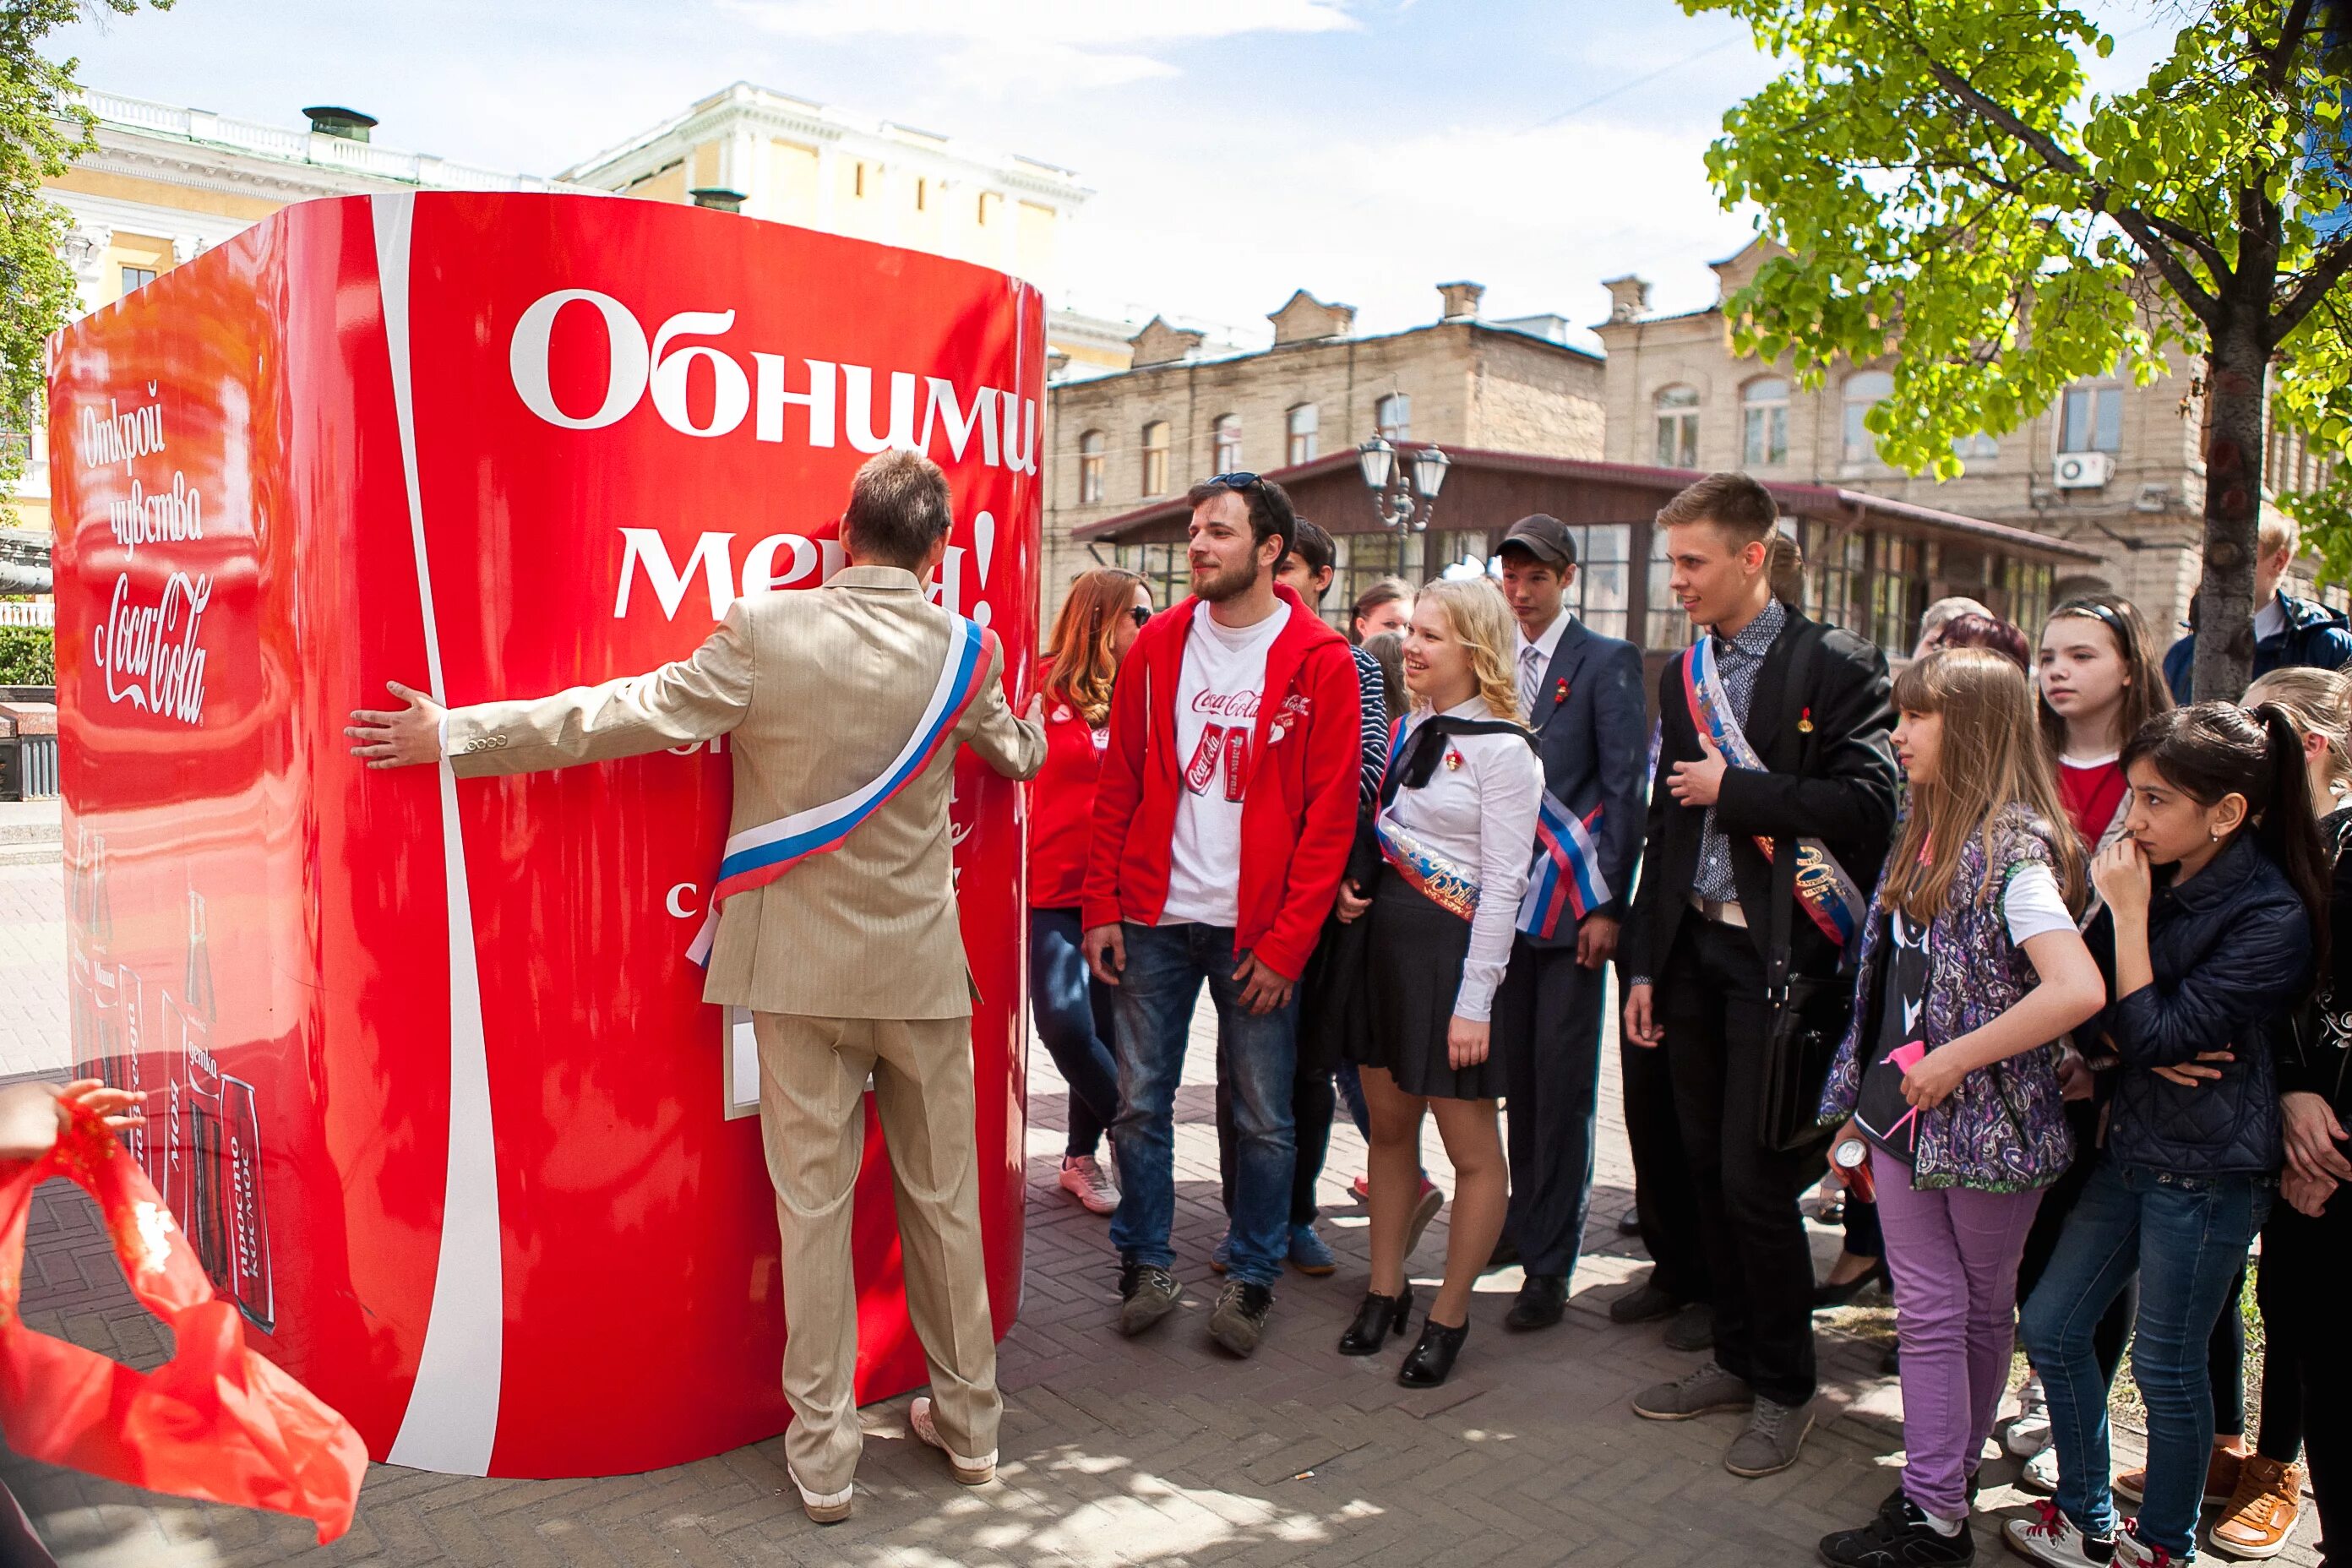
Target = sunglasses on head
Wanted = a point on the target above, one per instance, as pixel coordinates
(1137, 613)
(1234, 481)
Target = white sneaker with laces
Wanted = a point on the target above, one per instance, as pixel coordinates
(2040, 1472)
(2050, 1537)
(1085, 1178)
(2029, 1433)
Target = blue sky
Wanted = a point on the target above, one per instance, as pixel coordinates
(1364, 150)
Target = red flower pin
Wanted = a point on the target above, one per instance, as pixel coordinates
(1560, 692)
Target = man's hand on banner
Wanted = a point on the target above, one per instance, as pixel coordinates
(398, 737)
(1699, 782)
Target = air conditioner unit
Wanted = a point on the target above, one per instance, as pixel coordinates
(2082, 471)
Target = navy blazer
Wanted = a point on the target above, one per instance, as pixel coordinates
(1595, 750)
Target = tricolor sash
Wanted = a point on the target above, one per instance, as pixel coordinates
(1450, 887)
(1823, 889)
(1566, 876)
(758, 855)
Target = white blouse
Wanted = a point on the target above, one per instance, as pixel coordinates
(1482, 817)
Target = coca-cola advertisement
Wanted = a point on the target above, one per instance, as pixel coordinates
(431, 1089)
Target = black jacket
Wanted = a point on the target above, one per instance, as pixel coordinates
(2317, 1058)
(2231, 952)
(1846, 798)
(1592, 748)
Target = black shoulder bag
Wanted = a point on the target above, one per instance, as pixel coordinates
(1808, 1015)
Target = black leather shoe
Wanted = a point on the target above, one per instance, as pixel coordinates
(1646, 1305)
(1376, 1320)
(1430, 1360)
(1630, 1223)
(1506, 1253)
(1543, 1300)
(1826, 1295)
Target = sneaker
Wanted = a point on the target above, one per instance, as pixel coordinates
(1084, 1178)
(1221, 1258)
(1900, 1537)
(1147, 1293)
(2029, 1433)
(2263, 1512)
(1425, 1210)
(2131, 1551)
(823, 1507)
(1775, 1435)
(1693, 1329)
(2050, 1538)
(976, 1472)
(1701, 1393)
(1239, 1321)
(1644, 1304)
(1310, 1252)
(1361, 1189)
(2040, 1472)
(2221, 1475)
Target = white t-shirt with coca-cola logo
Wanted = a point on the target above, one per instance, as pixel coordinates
(1217, 699)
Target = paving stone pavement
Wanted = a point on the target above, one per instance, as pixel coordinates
(1158, 1450)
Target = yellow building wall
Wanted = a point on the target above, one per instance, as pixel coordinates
(155, 194)
(857, 212)
(923, 220)
(668, 185)
(790, 196)
(1032, 250)
(704, 164)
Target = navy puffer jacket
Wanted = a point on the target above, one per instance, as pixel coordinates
(2230, 951)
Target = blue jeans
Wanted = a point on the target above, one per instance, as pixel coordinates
(1257, 1056)
(1072, 1014)
(2186, 1238)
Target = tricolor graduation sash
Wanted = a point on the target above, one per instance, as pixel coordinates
(758, 855)
(1823, 889)
(1450, 887)
(1566, 876)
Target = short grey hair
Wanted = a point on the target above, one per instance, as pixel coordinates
(899, 508)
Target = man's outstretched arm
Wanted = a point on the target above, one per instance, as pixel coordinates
(695, 699)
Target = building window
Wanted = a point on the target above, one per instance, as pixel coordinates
(987, 206)
(1678, 428)
(1601, 594)
(2027, 591)
(1155, 457)
(2093, 420)
(1764, 423)
(1090, 468)
(1301, 424)
(922, 195)
(1865, 390)
(1393, 414)
(137, 278)
(1164, 567)
(1834, 578)
(1898, 592)
(1227, 433)
(1666, 624)
(1978, 447)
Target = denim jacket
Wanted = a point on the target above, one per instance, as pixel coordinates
(2003, 1129)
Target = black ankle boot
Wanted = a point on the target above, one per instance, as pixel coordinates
(1430, 1360)
(1376, 1320)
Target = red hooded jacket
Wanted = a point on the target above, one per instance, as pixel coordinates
(1298, 808)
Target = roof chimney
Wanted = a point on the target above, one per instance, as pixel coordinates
(1629, 297)
(349, 124)
(1461, 300)
(1159, 343)
(717, 198)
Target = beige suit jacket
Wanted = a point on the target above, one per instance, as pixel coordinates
(819, 690)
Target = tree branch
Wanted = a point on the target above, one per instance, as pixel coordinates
(2325, 273)
(2292, 28)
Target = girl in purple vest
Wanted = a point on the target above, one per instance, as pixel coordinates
(1971, 967)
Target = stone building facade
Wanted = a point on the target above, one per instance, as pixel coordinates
(1117, 442)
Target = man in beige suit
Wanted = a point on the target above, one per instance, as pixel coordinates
(852, 961)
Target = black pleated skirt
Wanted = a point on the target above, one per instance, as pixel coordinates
(1412, 972)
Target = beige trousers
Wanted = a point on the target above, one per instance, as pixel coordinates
(812, 1075)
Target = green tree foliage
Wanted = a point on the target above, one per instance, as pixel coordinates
(29, 656)
(1943, 179)
(43, 128)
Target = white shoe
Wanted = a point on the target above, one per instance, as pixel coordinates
(1085, 1178)
(823, 1507)
(971, 1472)
(2029, 1433)
(2040, 1472)
(2050, 1539)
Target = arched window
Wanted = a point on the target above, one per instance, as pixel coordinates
(1393, 414)
(1865, 390)
(1227, 434)
(1764, 423)
(1155, 457)
(1090, 468)
(1300, 423)
(1677, 427)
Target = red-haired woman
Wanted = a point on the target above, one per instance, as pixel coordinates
(1096, 626)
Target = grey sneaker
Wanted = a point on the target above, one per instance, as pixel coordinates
(1147, 1293)
(1239, 1321)
(1775, 1434)
(1704, 1392)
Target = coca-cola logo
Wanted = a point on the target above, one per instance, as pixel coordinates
(151, 656)
(1226, 704)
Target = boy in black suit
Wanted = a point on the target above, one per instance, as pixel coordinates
(1693, 957)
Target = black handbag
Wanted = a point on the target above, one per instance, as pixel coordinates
(1808, 1014)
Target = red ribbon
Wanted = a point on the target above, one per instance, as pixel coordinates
(216, 1421)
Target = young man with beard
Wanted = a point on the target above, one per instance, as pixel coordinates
(1222, 821)
(1773, 742)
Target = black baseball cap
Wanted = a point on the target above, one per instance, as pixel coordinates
(1544, 537)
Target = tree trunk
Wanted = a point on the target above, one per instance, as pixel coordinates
(2234, 370)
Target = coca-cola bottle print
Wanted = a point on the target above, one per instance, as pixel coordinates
(220, 1199)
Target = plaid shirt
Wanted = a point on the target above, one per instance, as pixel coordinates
(1738, 662)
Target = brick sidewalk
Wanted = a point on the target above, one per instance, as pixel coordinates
(1160, 1450)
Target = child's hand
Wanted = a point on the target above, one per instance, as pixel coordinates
(1932, 1080)
(2305, 1195)
(2188, 1075)
(33, 1115)
(2120, 873)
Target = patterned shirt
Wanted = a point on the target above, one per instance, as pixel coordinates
(1372, 689)
(1737, 663)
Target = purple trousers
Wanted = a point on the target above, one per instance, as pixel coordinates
(1953, 1256)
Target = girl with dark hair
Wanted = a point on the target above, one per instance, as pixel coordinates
(1071, 1010)
(1972, 969)
(2217, 897)
(1971, 630)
